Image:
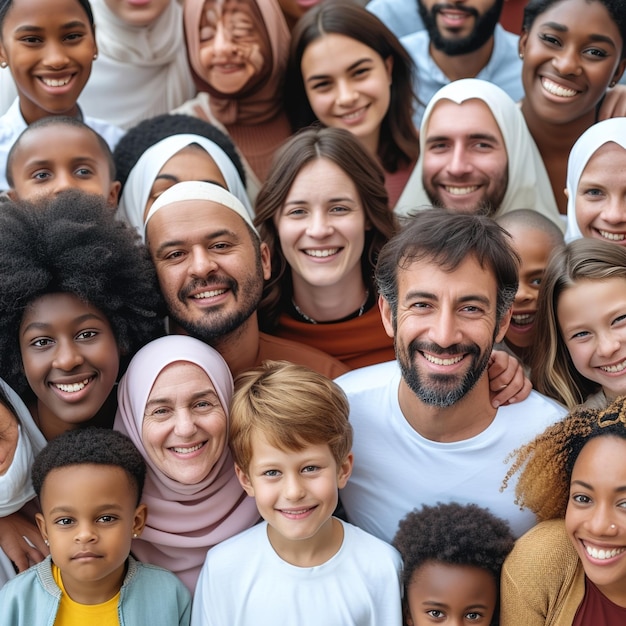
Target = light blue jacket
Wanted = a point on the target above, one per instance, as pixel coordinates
(150, 596)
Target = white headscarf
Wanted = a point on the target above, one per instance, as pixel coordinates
(141, 71)
(142, 176)
(529, 186)
(585, 147)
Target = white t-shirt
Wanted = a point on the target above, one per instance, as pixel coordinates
(245, 583)
(397, 470)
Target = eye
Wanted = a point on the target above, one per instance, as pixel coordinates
(86, 334)
(593, 193)
(64, 521)
(31, 40)
(83, 172)
(174, 255)
(41, 342)
(321, 85)
(535, 282)
(41, 175)
(340, 209)
(310, 468)
(596, 53)
(581, 334)
(296, 212)
(75, 37)
(580, 498)
(204, 406)
(107, 519)
(271, 473)
(618, 319)
(220, 245)
(472, 616)
(549, 39)
(435, 613)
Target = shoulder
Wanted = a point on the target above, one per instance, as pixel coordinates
(109, 132)
(245, 542)
(369, 378)
(536, 409)
(416, 44)
(277, 348)
(374, 550)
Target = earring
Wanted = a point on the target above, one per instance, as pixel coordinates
(521, 55)
(135, 535)
(3, 64)
(613, 83)
(95, 56)
(46, 542)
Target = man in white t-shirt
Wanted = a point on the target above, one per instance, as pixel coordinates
(425, 427)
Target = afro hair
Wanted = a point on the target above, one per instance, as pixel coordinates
(90, 446)
(143, 136)
(454, 534)
(71, 243)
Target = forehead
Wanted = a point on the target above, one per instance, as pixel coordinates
(44, 14)
(180, 372)
(607, 156)
(590, 16)
(471, 117)
(213, 9)
(331, 52)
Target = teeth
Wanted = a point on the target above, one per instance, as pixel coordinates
(556, 90)
(612, 236)
(603, 554)
(353, 115)
(53, 82)
(461, 191)
(523, 319)
(188, 450)
(322, 253)
(614, 369)
(73, 387)
(296, 511)
(209, 294)
(437, 361)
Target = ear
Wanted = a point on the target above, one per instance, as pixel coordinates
(12, 195)
(344, 471)
(141, 515)
(389, 67)
(387, 315)
(523, 41)
(504, 325)
(41, 524)
(114, 193)
(619, 71)
(266, 262)
(244, 480)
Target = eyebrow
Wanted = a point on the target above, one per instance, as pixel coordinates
(179, 242)
(115, 506)
(74, 160)
(77, 320)
(436, 604)
(561, 28)
(339, 199)
(175, 179)
(194, 396)
(590, 487)
(410, 295)
(486, 136)
(31, 28)
(351, 67)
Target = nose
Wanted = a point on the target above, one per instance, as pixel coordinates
(292, 488)
(201, 262)
(459, 165)
(607, 344)
(346, 94)
(525, 293)
(601, 521)
(85, 533)
(566, 61)
(614, 210)
(184, 425)
(222, 42)
(67, 356)
(318, 225)
(55, 56)
(444, 330)
(62, 181)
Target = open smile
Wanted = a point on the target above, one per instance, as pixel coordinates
(555, 89)
(319, 253)
(610, 236)
(446, 361)
(615, 368)
(523, 319)
(460, 191)
(188, 449)
(602, 554)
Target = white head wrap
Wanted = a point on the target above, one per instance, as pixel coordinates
(529, 186)
(142, 176)
(584, 148)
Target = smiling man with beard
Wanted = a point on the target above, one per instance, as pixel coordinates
(463, 40)
(425, 427)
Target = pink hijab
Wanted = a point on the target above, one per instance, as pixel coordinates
(261, 100)
(184, 521)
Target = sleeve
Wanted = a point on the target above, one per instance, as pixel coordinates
(200, 615)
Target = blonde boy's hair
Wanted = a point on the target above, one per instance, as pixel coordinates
(292, 406)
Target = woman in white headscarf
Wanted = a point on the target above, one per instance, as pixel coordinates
(596, 183)
(141, 69)
(136, 196)
(528, 183)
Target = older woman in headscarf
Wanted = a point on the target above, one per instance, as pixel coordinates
(174, 402)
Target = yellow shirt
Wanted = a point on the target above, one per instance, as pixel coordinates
(72, 613)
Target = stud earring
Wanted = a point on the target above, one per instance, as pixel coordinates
(613, 83)
(521, 55)
(46, 542)
(3, 64)
(95, 56)
(135, 535)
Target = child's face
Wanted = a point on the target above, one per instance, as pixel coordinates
(534, 248)
(89, 516)
(592, 318)
(295, 491)
(601, 195)
(184, 426)
(440, 593)
(49, 47)
(138, 13)
(70, 359)
(52, 159)
(594, 519)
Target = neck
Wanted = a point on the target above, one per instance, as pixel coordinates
(462, 65)
(94, 592)
(238, 348)
(467, 418)
(330, 303)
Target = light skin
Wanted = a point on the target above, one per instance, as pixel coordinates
(51, 159)
(138, 13)
(49, 48)
(348, 86)
(444, 331)
(89, 516)
(190, 163)
(232, 47)
(595, 519)
(595, 334)
(296, 494)
(71, 361)
(465, 161)
(206, 263)
(601, 195)
(455, 595)
(184, 426)
(9, 435)
(534, 248)
(321, 228)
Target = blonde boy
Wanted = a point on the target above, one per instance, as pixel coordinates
(291, 441)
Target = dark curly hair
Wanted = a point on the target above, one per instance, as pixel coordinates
(90, 446)
(5, 5)
(148, 132)
(71, 243)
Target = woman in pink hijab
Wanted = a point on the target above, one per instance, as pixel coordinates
(238, 51)
(173, 403)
